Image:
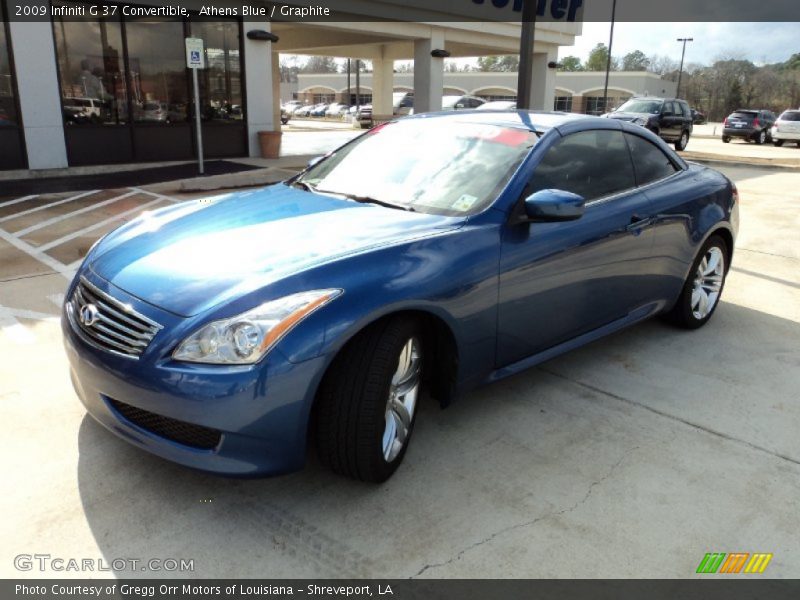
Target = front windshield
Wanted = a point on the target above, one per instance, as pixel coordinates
(641, 106)
(436, 166)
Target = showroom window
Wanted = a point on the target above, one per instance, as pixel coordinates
(8, 105)
(157, 61)
(91, 70)
(221, 80)
(131, 72)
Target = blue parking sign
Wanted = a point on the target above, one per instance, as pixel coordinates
(194, 53)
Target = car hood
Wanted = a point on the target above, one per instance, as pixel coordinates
(192, 256)
(630, 116)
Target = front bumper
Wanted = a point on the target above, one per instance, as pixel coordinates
(261, 412)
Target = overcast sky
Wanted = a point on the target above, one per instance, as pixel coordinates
(758, 42)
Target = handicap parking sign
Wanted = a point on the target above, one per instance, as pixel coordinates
(194, 53)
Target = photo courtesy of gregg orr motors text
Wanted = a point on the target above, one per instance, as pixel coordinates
(44, 563)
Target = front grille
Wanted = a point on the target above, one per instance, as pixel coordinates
(109, 324)
(195, 436)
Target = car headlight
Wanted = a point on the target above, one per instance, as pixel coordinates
(247, 337)
(640, 121)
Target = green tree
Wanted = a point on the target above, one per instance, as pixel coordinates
(506, 63)
(635, 61)
(570, 63)
(598, 59)
(320, 64)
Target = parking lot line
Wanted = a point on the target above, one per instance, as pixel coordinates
(85, 230)
(58, 267)
(38, 208)
(18, 200)
(80, 211)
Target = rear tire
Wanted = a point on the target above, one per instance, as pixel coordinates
(778, 143)
(703, 288)
(761, 137)
(366, 405)
(682, 142)
(726, 139)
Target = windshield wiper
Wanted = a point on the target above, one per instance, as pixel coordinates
(367, 200)
(303, 185)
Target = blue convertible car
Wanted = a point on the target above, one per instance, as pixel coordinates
(434, 253)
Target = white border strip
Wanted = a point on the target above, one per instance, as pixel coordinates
(38, 208)
(40, 256)
(104, 222)
(69, 215)
(18, 200)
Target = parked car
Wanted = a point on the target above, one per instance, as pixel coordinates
(498, 105)
(82, 110)
(461, 102)
(698, 118)
(402, 103)
(154, 112)
(336, 110)
(304, 111)
(220, 333)
(319, 110)
(752, 125)
(668, 118)
(286, 115)
(786, 128)
(291, 105)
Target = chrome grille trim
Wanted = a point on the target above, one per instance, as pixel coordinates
(119, 329)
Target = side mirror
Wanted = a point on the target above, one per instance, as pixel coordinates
(314, 161)
(547, 206)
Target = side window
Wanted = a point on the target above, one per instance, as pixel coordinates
(649, 160)
(590, 163)
(686, 110)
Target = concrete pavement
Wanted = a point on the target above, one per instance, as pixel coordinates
(632, 457)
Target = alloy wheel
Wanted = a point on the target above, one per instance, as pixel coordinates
(402, 400)
(708, 283)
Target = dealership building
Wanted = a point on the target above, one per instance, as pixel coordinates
(111, 90)
(580, 92)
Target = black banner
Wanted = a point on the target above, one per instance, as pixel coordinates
(734, 588)
(309, 11)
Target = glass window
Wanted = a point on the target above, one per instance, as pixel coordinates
(592, 164)
(563, 103)
(157, 61)
(433, 166)
(221, 80)
(8, 107)
(650, 162)
(91, 69)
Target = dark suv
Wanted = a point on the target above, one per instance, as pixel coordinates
(750, 124)
(669, 118)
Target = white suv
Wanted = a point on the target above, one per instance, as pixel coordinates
(787, 128)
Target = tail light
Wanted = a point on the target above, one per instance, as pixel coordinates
(755, 122)
(725, 122)
(734, 194)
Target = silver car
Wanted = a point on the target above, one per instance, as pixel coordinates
(787, 128)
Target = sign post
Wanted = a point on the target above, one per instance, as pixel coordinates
(195, 59)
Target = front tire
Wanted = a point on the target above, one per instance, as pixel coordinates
(703, 288)
(366, 406)
(778, 143)
(761, 137)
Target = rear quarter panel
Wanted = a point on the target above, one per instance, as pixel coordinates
(688, 209)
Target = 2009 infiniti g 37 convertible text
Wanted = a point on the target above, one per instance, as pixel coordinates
(436, 253)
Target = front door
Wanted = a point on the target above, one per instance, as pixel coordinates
(560, 280)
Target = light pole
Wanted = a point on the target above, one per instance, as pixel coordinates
(683, 55)
(608, 62)
(525, 73)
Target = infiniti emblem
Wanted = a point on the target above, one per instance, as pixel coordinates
(89, 315)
